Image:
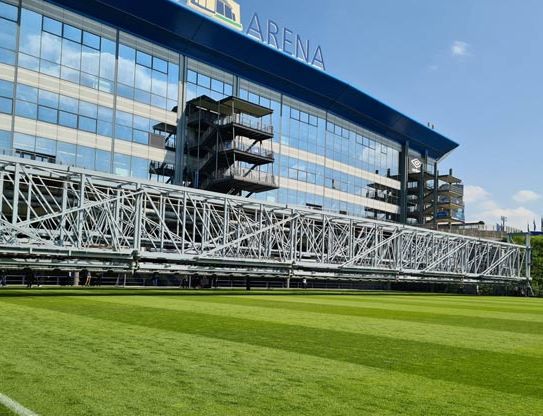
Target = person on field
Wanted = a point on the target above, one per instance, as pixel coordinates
(304, 283)
(85, 274)
(3, 281)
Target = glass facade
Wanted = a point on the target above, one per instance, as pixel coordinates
(112, 90)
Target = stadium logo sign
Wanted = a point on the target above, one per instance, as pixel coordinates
(286, 40)
(415, 165)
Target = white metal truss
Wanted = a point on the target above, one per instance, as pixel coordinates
(60, 217)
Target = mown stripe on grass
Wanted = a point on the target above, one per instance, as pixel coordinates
(466, 337)
(460, 365)
(83, 366)
(507, 325)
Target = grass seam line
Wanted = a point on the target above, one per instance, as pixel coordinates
(15, 407)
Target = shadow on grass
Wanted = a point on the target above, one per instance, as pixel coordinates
(119, 291)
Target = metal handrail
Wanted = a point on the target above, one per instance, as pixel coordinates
(246, 121)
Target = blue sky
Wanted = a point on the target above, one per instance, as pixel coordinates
(474, 68)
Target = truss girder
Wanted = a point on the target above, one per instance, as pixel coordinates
(52, 209)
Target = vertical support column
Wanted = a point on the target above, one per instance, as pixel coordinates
(17, 179)
(180, 160)
(81, 214)
(139, 219)
(404, 178)
(63, 214)
(436, 195)
(422, 189)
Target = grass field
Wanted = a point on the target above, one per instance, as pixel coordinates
(127, 352)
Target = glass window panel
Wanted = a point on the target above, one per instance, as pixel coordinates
(140, 167)
(141, 137)
(5, 141)
(89, 81)
(228, 90)
(29, 62)
(121, 164)
(69, 74)
(49, 99)
(143, 59)
(160, 65)
(51, 47)
(104, 128)
(125, 91)
(87, 124)
(30, 32)
(66, 154)
(24, 141)
(103, 161)
(123, 133)
(159, 84)
(91, 40)
(52, 26)
(105, 114)
(158, 101)
(88, 109)
(49, 115)
(50, 68)
(124, 119)
(90, 60)
(204, 81)
(192, 76)
(8, 11)
(141, 123)
(107, 60)
(71, 54)
(69, 104)
(46, 146)
(26, 109)
(67, 119)
(6, 105)
(142, 96)
(105, 85)
(85, 157)
(7, 57)
(6, 89)
(8, 34)
(173, 81)
(143, 78)
(127, 65)
(72, 33)
(217, 85)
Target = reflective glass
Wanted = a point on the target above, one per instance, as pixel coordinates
(72, 33)
(87, 124)
(24, 141)
(143, 59)
(26, 109)
(8, 34)
(85, 157)
(91, 40)
(8, 11)
(47, 114)
(66, 154)
(46, 146)
(103, 161)
(30, 32)
(52, 26)
(6, 105)
(67, 119)
(121, 164)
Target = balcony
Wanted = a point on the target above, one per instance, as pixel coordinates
(236, 179)
(246, 126)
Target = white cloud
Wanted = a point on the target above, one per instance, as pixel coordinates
(459, 48)
(480, 206)
(526, 196)
(474, 193)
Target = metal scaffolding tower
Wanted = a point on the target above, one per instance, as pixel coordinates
(68, 218)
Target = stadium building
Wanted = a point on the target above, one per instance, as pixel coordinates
(179, 93)
(165, 137)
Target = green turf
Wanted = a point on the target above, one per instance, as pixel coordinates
(129, 352)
